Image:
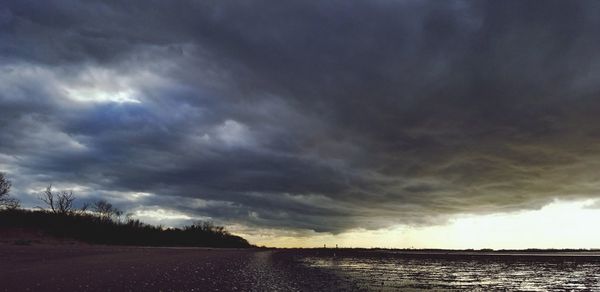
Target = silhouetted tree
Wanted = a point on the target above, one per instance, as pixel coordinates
(58, 202)
(106, 210)
(84, 207)
(206, 226)
(5, 185)
(6, 202)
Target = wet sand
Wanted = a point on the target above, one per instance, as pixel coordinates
(105, 268)
(78, 267)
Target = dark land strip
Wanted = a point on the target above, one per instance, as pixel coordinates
(110, 268)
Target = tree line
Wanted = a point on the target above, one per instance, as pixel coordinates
(101, 222)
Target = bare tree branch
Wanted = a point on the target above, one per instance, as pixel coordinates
(106, 209)
(58, 202)
(5, 185)
(48, 198)
(6, 202)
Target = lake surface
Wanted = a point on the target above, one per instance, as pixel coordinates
(389, 271)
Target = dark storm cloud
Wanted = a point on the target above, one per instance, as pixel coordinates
(313, 115)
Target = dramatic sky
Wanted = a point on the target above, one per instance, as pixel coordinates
(372, 123)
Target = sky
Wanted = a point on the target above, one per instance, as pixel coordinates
(394, 123)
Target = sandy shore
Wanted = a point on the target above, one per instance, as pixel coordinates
(79, 267)
(105, 268)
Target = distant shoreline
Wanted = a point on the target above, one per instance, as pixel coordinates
(432, 250)
(539, 253)
(48, 240)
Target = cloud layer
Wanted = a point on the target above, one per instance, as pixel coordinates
(322, 116)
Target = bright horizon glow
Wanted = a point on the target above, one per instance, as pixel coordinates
(560, 224)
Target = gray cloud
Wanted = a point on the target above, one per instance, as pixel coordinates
(306, 115)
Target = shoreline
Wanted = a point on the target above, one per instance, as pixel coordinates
(76, 267)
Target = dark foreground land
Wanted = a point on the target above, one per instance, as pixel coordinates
(78, 267)
(109, 268)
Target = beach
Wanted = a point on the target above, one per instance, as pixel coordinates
(107, 268)
(81, 267)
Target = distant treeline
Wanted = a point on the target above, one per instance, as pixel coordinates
(101, 223)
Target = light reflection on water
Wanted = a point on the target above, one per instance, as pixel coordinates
(388, 273)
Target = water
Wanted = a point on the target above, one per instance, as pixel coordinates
(409, 272)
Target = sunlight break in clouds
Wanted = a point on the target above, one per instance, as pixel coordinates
(557, 225)
(98, 95)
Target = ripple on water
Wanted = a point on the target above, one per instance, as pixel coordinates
(397, 272)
